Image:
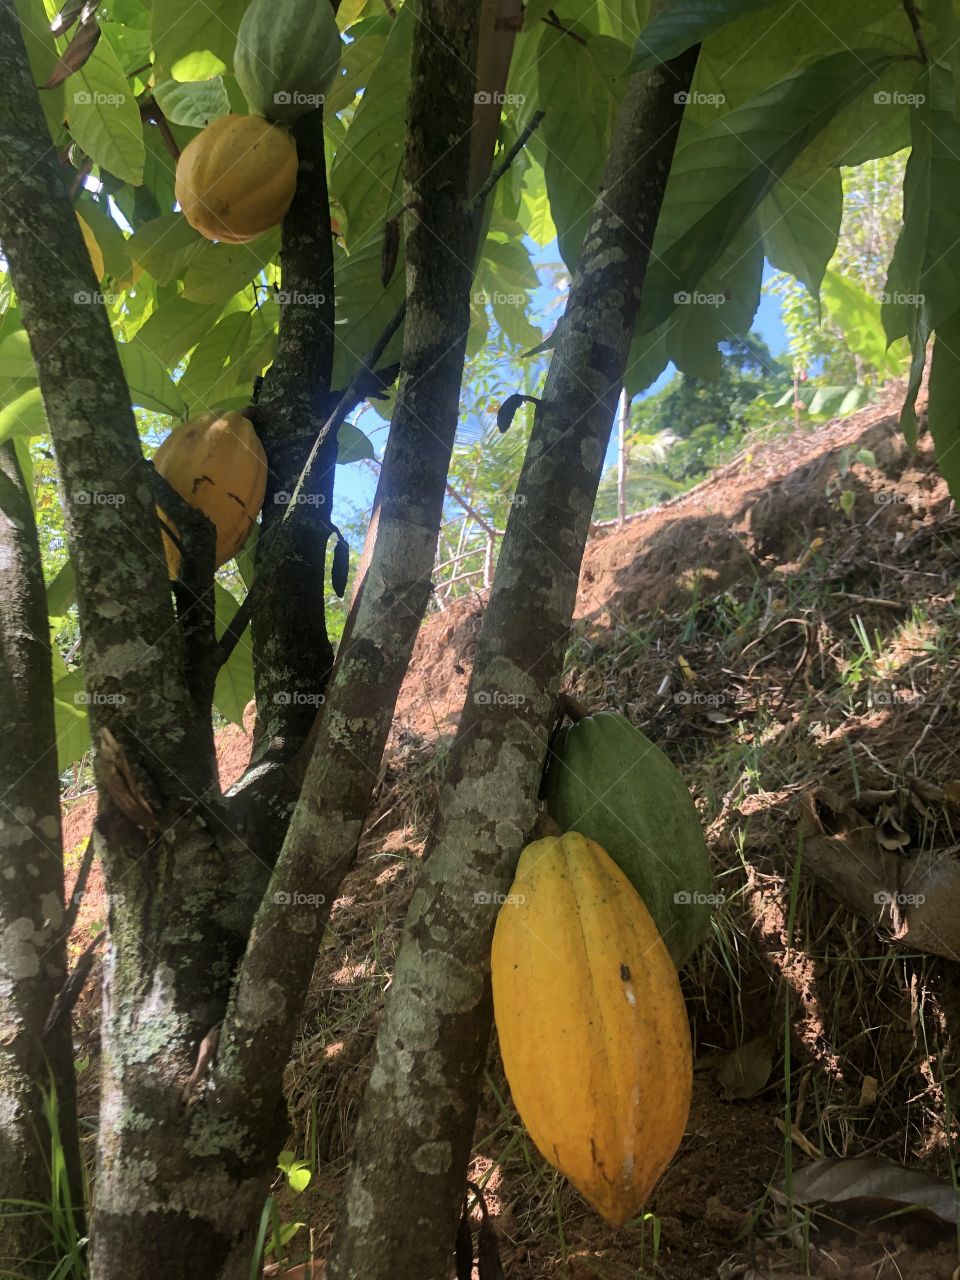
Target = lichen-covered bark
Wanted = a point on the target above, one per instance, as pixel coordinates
(171, 863)
(412, 1146)
(33, 957)
(291, 651)
(361, 696)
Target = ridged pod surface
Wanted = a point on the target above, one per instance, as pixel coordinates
(216, 463)
(287, 55)
(236, 178)
(608, 781)
(592, 1025)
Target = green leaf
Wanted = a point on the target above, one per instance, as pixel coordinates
(175, 327)
(209, 374)
(365, 179)
(195, 41)
(112, 242)
(364, 307)
(194, 103)
(103, 115)
(150, 384)
(858, 315)
(234, 687)
(722, 172)
(647, 359)
(16, 358)
(581, 102)
(683, 24)
(352, 444)
(43, 57)
(943, 409)
(800, 222)
(535, 211)
(61, 590)
(70, 719)
(165, 246)
(25, 416)
(218, 271)
(925, 270)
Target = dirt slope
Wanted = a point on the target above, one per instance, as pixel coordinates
(788, 625)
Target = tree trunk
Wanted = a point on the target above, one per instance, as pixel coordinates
(406, 1183)
(33, 954)
(372, 662)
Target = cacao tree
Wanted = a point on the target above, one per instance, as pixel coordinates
(451, 140)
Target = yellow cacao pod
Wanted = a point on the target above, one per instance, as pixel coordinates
(236, 178)
(216, 463)
(592, 1025)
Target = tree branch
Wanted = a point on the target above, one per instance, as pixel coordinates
(413, 1141)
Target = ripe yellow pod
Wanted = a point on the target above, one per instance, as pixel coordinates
(592, 1025)
(216, 463)
(236, 178)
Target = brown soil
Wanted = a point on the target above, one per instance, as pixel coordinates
(729, 625)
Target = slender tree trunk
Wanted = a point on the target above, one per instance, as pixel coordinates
(370, 667)
(33, 957)
(412, 1145)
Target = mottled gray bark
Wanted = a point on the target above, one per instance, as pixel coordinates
(292, 654)
(412, 1146)
(360, 698)
(33, 955)
(171, 866)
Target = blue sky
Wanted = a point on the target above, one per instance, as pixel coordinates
(356, 483)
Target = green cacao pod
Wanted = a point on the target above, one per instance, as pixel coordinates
(287, 55)
(610, 783)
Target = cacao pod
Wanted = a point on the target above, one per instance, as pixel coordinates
(217, 464)
(592, 1025)
(287, 55)
(608, 781)
(236, 178)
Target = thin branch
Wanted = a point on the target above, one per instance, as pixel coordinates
(151, 113)
(910, 9)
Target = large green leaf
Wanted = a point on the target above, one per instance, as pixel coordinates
(365, 179)
(194, 41)
(943, 409)
(580, 88)
(218, 271)
(854, 311)
(16, 358)
(103, 115)
(165, 246)
(800, 222)
(352, 444)
(176, 326)
(43, 57)
(684, 23)
(112, 242)
(364, 307)
(721, 306)
(724, 171)
(61, 590)
(70, 719)
(24, 416)
(194, 103)
(234, 687)
(209, 374)
(150, 384)
(925, 270)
